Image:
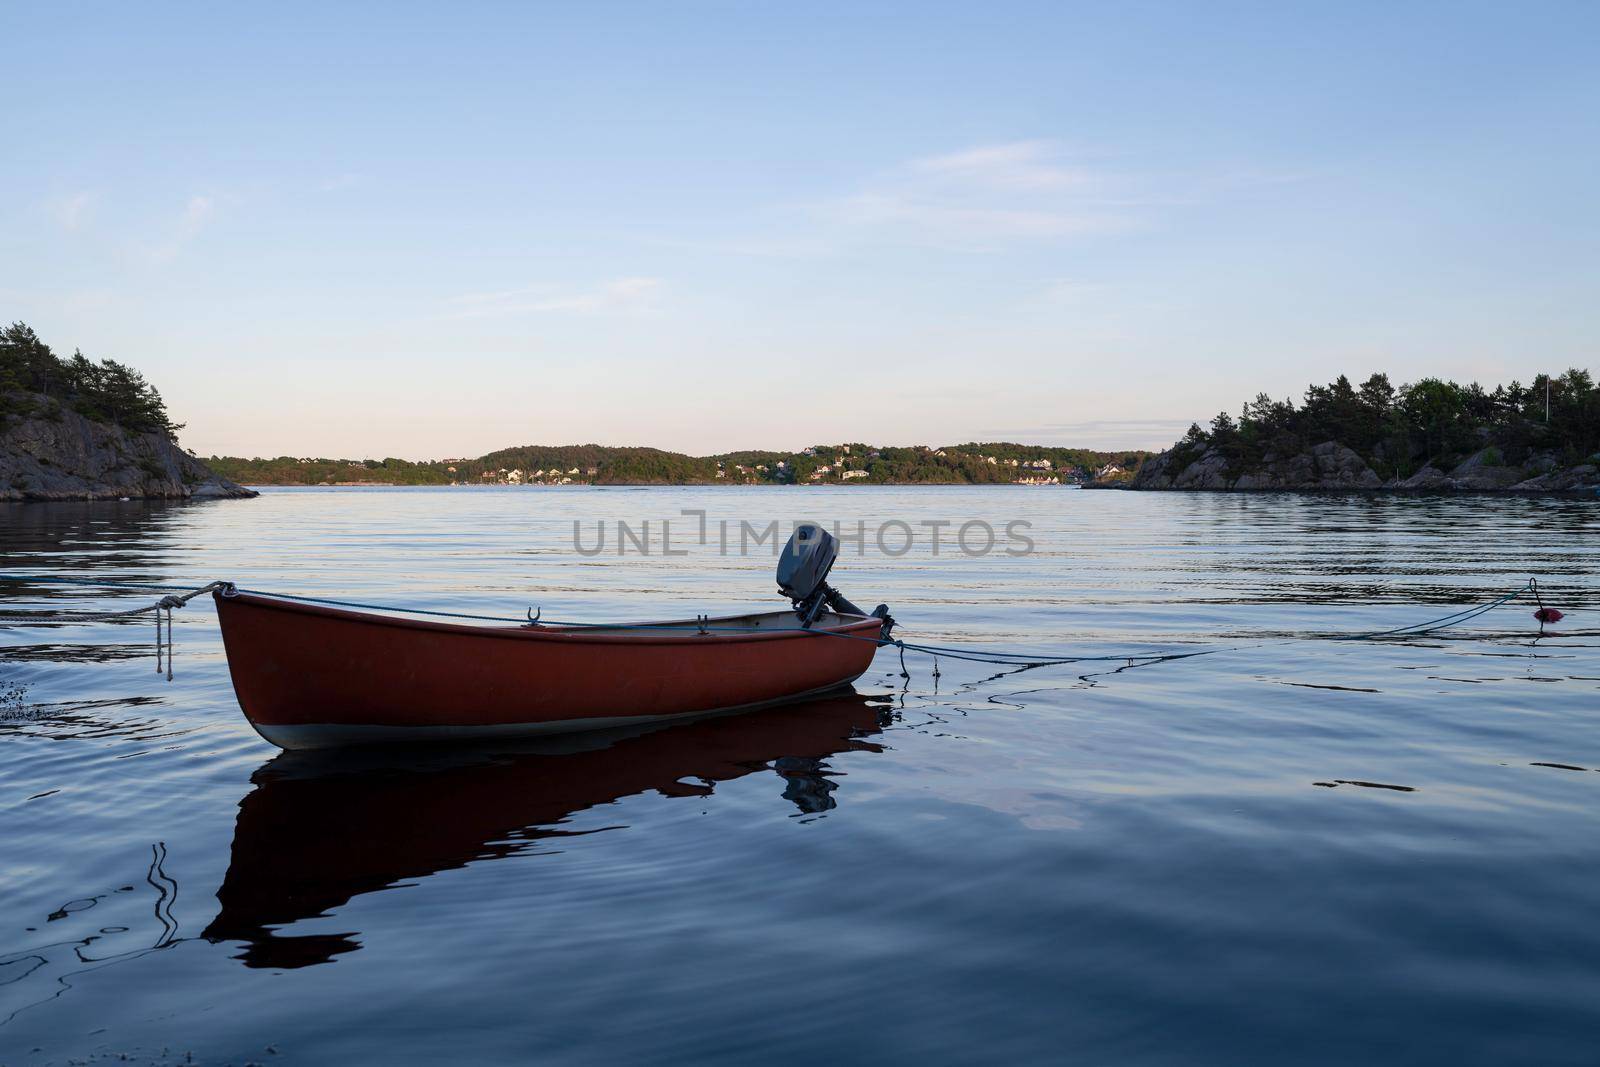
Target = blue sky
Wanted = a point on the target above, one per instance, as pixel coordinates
(428, 230)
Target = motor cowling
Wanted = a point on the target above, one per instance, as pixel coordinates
(807, 558)
(802, 577)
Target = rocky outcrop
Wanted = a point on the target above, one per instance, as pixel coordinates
(1329, 465)
(64, 456)
(1332, 466)
(1155, 473)
(1572, 479)
(1210, 471)
(1429, 477)
(1483, 470)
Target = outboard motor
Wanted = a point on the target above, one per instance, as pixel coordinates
(802, 577)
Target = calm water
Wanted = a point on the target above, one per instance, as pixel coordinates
(1077, 863)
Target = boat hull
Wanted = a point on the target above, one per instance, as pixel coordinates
(309, 676)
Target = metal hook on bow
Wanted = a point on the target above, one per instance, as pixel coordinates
(535, 615)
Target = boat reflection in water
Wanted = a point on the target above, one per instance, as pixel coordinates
(322, 827)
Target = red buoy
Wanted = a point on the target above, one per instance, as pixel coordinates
(1547, 615)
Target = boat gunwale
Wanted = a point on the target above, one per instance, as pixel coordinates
(565, 635)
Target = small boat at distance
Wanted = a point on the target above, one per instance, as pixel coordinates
(312, 675)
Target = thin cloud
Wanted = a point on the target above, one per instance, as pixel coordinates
(984, 197)
(1069, 291)
(1018, 165)
(75, 211)
(617, 295)
(196, 216)
(943, 218)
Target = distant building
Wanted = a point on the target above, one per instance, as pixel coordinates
(853, 474)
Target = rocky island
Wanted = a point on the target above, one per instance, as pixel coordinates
(1432, 435)
(75, 429)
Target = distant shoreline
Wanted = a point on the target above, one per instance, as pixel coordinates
(973, 463)
(1379, 491)
(1581, 493)
(688, 485)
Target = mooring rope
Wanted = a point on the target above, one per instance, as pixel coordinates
(1028, 659)
(177, 598)
(1459, 617)
(53, 617)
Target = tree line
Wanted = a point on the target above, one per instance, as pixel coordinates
(606, 465)
(1401, 429)
(36, 381)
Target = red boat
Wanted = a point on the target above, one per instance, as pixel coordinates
(309, 675)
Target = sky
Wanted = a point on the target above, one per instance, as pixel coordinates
(435, 230)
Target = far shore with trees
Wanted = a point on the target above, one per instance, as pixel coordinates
(1430, 434)
(849, 463)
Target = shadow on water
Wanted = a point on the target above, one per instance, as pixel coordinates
(323, 827)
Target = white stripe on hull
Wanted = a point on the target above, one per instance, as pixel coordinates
(333, 735)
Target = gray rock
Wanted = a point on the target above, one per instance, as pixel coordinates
(71, 458)
(218, 487)
(1210, 471)
(1572, 479)
(1156, 473)
(1339, 467)
(1476, 473)
(1429, 477)
(1542, 463)
(1297, 470)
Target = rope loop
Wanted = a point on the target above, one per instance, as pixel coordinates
(164, 642)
